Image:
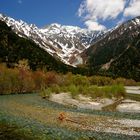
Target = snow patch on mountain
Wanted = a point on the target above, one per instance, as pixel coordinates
(65, 42)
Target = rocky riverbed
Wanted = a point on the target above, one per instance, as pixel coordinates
(126, 105)
(38, 118)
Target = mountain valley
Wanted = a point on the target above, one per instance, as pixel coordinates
(114, 52)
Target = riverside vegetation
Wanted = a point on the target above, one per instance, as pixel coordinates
(23, 80)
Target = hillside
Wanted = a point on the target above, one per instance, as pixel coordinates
(14, 48)
(118, 52)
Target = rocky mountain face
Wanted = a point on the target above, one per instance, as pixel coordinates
(63, 42)
(70, 40)
(118, 51)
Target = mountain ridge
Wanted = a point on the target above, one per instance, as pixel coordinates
(118, 52)
(62, 42)
(14, 48)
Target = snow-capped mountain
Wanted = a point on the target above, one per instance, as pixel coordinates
(63, 42)
(70, 40)
(116, 51)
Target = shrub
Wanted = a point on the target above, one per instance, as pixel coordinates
(80, 80)
(39, 79)
(23, 64)
(60, 79)
(26, 82)
(120, 80)
(68, 79)
(100, 80)
(8, 80)
(73, 90)
(118, 91)
(45, 92)
(51, 78)
(16, 80)
(55, 89)
(130, 82)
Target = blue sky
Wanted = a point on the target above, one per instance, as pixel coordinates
(42, 12)
(92, 14)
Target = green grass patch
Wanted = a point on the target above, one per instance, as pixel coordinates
(114, 91)
(133, 96)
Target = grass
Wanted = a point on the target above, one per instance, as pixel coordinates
(133, 96)
(30, 117)
(116, 91)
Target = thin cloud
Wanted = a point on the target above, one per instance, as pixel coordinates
(19, 1)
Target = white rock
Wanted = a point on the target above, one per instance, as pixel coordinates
(129, 107)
